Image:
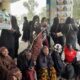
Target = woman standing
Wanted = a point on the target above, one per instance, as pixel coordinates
(17, 34)
(26, 32)
(55, 29)
(70, 31)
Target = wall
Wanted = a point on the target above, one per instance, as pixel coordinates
(5, 5)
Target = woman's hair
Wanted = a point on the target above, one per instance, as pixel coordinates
(56, 20)
(25, 18)
(68, 20)
(35, 17)
(43, 48)
(43, 19)
(14, 22)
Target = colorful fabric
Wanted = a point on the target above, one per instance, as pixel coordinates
(47, 74)
(52, 74)
(36, 47)
(42, 74)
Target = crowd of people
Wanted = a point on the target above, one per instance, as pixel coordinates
(40, 60)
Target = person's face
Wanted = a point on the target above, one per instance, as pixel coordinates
(5, 52)
(28, 55)
(37, 20)
(45, 23)
(46, 51)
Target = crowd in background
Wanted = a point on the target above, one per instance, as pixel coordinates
(40, 60)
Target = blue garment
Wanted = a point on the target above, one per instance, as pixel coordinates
(44, 61)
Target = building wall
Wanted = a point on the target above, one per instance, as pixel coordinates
(54, 9)
(51, 10)
(5, 4)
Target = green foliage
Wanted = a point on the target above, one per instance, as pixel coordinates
(76, 9)
(43, 12)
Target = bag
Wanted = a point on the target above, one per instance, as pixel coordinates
(69, 54)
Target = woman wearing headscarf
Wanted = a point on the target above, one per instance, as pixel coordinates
(64, 69)
(56, 32)
(26, 65)
(8, 40)
(44, 26)
(34, 28)
(26, 30)
(44, 67)
(70, 31)
(17, 34)
(8, 68)
(35, 37)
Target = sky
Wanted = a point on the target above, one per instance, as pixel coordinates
(18, 9)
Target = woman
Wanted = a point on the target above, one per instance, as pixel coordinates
(17, 34)
(35, 37)
(8, 40)
(70, 31)
(26, 65)
(64, 69)
(55, 31)
(44, 26)
(34, 28)
(45, 69)
(26, 30)
(58, 62)
(8, 68)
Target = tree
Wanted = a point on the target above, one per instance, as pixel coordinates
(76, 9)
(31, 6)
(43, 12)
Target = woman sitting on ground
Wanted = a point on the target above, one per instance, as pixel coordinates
(26, 65)
(8, 68)
(44, 67)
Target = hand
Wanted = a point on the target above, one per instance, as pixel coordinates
(13, 30)
(59, 34)
(18, 74)
(14, 78)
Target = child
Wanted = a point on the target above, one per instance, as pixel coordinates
(26, 65)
